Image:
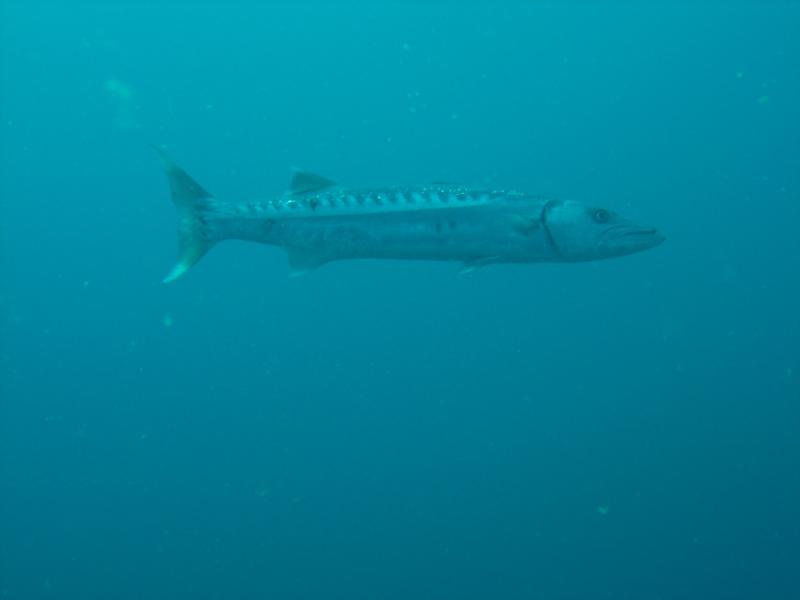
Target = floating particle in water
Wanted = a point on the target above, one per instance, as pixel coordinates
(122, 95)
(763, 100)
(602, 510)
(167, 320)
(119, 90)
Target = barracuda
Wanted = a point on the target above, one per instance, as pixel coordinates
(317, 221)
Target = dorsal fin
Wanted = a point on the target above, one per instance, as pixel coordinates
(304, 181)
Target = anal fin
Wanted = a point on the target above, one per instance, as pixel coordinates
(303, 260)
(468, 266)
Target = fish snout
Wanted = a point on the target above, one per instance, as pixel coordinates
(630, 238)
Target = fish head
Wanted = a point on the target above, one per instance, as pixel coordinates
(580, 233)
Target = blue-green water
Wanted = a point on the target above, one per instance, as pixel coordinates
(618, 429)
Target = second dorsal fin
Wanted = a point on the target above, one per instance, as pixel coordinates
(304, 181)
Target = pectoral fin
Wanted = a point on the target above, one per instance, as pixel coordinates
(526, 225)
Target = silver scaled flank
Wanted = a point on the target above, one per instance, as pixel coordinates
(318, 221)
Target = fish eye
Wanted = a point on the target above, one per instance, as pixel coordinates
(601, 215)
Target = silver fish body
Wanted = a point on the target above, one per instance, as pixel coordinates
(318, 221)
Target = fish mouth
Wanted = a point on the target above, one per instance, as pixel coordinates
(626, 239)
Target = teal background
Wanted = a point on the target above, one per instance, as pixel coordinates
(619, 429)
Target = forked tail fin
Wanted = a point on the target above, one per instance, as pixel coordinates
(193, 203)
